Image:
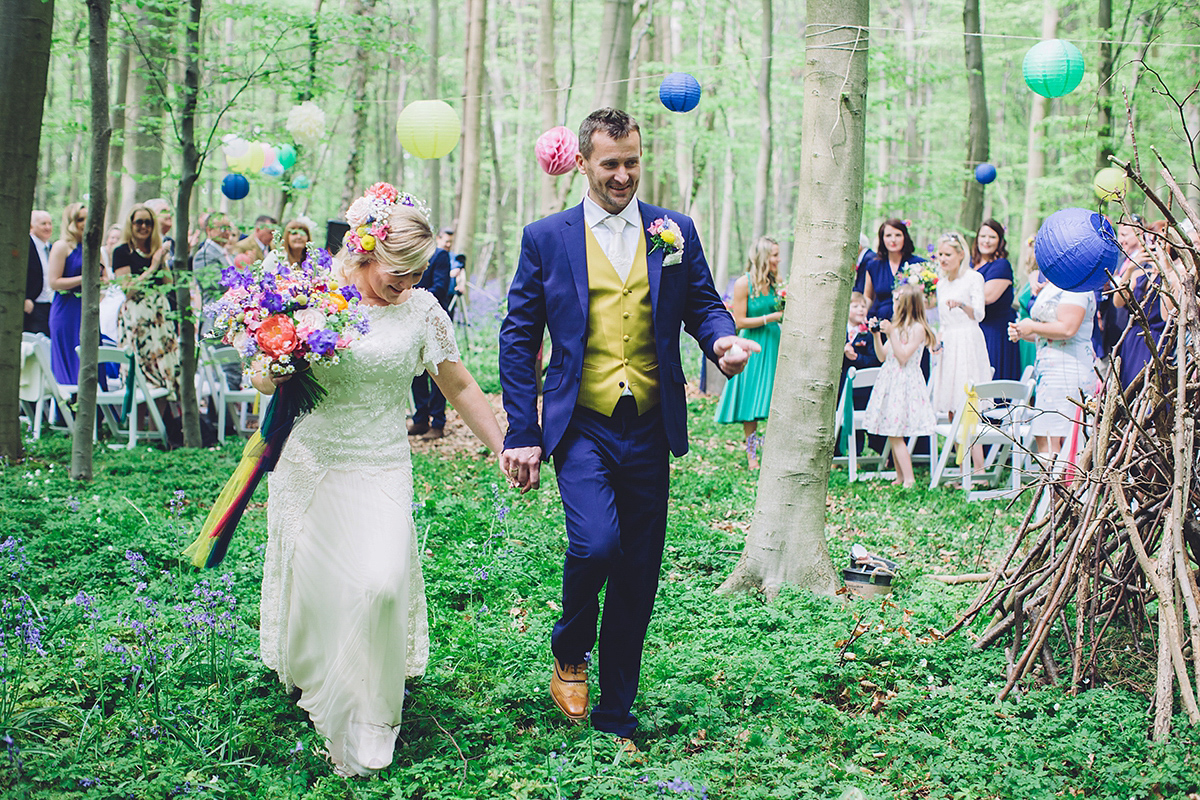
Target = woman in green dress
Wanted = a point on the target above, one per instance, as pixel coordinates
(757, 309)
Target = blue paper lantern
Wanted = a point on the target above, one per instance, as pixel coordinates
(1053, 68)
(272, 170)
(985, 173)
(679, 92)
(1076, 249)
(235, 186)
(301, 182)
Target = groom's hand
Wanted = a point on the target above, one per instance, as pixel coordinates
(733, 352)
(522, 467)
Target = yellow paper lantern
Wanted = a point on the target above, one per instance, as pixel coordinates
(256, 159)
(1111, 183)
(428, 128)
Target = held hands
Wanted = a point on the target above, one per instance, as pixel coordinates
(733, 352)
(522, 466)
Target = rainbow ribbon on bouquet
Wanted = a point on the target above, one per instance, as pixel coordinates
(292, 400)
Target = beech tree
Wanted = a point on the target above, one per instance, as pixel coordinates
(24, 59)
(786, 541)
(977, 128)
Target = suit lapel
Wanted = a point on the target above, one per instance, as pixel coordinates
(575, 241)
(653, 260)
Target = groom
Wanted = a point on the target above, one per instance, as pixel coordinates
(613, 296)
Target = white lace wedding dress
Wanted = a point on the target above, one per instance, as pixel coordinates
(343, 600)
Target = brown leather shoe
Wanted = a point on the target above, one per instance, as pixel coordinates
(418, 428)
(434, 433)
(569, 689)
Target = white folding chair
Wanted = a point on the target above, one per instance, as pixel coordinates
(110, 402)
(52, 396)
(31, 394)
(1004, 432)
(855, 379)
(238, 401)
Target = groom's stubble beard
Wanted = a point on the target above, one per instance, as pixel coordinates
(605, 198)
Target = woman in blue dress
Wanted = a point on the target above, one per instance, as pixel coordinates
(65, 271)
(895, 251)
(1145, 283)
(989, 256)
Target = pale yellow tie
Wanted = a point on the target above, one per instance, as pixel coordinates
(618, 251)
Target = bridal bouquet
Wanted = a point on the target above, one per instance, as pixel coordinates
(922, 274)
(292, 317)
(286, 319)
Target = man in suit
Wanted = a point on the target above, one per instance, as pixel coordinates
(613, 296)
(429, 416)
(258, 243)
(38, 294)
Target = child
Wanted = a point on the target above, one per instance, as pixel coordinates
(860, 354)
(899, 406)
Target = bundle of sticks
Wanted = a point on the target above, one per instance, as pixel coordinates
(1107, 551)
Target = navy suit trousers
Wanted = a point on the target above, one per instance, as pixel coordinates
(613, 478)
(429, 402)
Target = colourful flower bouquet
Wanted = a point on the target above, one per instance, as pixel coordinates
(286, 319)
(922, 274)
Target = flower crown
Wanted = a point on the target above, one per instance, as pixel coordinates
(368, 216)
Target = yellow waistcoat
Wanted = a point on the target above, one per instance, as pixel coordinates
(620, 334)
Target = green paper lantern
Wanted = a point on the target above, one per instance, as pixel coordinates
(428, 128)
(287, 156)
(1053, 68)
(1110, 184)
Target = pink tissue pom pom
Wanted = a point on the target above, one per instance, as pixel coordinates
(556, 149)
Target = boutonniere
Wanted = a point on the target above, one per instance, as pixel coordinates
(666, 235)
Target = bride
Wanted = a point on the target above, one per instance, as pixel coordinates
(343, 600)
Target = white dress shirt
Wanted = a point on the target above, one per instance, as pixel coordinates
(43, 251)
(594, 216)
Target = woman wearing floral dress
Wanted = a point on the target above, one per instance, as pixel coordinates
(145, 324)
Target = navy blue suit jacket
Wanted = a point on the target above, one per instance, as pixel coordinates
(550, 291)
(437, 277)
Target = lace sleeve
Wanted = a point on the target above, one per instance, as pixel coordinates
(439, 342)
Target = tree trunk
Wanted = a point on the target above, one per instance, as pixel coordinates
(762, 170)
(434, 165)
(181, 267)
(116, 148)
(24, 59)
(612, 78)
(464, 237)
(1104, 91)
(1036, 157)
(93, 239)
(144, 113)
(786, 541)
(971, 216)
(725, 232)
(547, 97)
(362, 70)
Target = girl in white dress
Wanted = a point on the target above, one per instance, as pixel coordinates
(899, 405)
(964, 354)
(343, 600)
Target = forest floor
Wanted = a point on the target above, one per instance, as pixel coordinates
(129, 674)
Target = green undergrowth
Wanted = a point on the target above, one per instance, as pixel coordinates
(128, 674)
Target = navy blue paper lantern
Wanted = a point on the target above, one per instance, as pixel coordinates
(985, 173)
(679, 92)
(1076, 249)
(235, 186)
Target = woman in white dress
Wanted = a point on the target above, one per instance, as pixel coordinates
(343, 601)
(964, 355)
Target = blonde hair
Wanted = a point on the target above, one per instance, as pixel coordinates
(406, 250)
(155, 233)
(759, 265)
(908, 309)
(956, 241)
(858, 297)
(71, 232)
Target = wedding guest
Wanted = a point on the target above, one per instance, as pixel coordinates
(1143, 285)
(989, 257)
(896, 251)
(65, 277)
(38, 294)
(258, 243)
(140, 264)
(429, 404)
(296, 236)
(757, 311)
